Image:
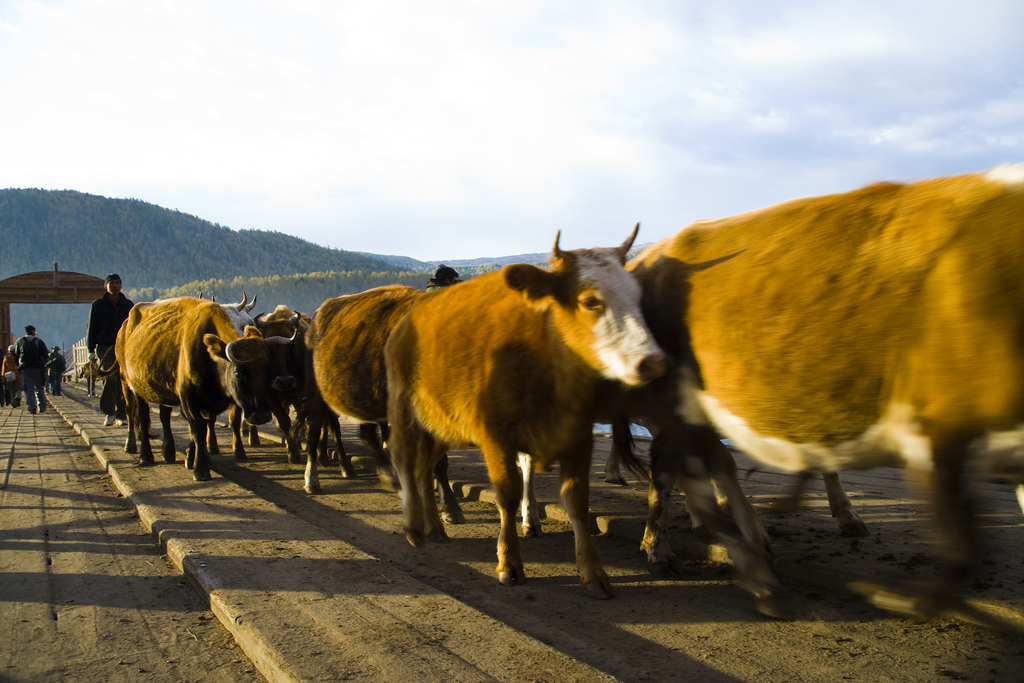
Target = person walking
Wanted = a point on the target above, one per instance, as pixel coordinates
(55, 367)
(31, 353)
(12, 378)
(105, 318)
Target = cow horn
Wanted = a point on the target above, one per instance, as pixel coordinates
(245, 299)
(557, 251)
(628, 244)
(229, 351)
(252, 305)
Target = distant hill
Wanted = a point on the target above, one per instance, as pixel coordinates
(148, 245)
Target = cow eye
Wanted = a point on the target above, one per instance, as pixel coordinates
(591, 303)
(239, 375)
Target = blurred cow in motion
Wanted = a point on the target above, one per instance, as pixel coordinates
(513, 361)
(186, 352)
(346, 355)
(881, 327)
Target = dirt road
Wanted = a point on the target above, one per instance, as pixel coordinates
(702, 628)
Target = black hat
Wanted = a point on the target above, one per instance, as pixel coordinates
(30, 329)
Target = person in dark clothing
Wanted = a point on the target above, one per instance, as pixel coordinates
(55, 367)
(444, 276)
(105, 318)
(31, 353)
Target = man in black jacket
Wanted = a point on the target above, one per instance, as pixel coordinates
(31, 353)
(105, 318)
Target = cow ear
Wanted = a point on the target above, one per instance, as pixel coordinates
(251, 331)
(537, 286)
(215, 346)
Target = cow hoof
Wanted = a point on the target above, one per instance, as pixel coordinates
(201, 475)
(388, 480)
(769, 606)
(240, 455)
(617, 479)
(599, 590)
(898, 598)
(416, 538)
(853, 527)
(668, 569)
(295, 460)
(324, 460)
(169, 457)
(512, 576)
(214, 450)
(347, 471)
(453, 515)
(530, 531)
(438, 536)
(143, 461)
(312, 489)
(190, 462)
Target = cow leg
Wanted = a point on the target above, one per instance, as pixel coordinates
(333, 424)
(791, 503)
(314, 429)
(613, 465)
(841, 507)
(661, 561)
(434, 528)
(722, 469)
(944, 487)
(143, 420)
(529, 508)
(284, 423)
(451, 511)
(254, 434)
(368, 435)
(130, 444)
(211, 436)
(198, 425)
(411, 451)
(574, 473)
(508, 492)
(235, 419)
(165, 421)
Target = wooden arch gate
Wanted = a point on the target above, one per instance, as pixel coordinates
(45, 287)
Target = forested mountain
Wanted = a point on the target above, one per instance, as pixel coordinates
(161, 253)
(148, 245)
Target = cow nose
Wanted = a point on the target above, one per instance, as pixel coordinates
(258, 418)
(652, 366)
(286, 383)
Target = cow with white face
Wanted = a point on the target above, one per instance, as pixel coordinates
(881, 327)
(513, 361)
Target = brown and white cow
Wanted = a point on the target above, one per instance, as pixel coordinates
(512, 361)
(879, 327)
(186, 352)
(345, 346)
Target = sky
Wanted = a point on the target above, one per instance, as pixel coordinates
(448, 130)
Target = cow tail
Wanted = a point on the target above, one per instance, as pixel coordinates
(114, 367)
(622, 441)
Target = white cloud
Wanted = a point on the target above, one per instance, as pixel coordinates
(475, 128)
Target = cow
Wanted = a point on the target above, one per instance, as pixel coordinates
(513, 361)
(346, 355)
(880, 327)
(186, 352)
(283, 330)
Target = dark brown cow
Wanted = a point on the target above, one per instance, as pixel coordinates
(186, 352)
(512, 361)
(882, 327)
(346, 353)
(283, 329)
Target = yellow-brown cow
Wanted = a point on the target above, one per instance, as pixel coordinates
(512, 361)
(881, 327)
(187, 352)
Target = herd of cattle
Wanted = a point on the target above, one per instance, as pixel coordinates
(881, 327)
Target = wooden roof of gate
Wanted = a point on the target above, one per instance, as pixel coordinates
(51, 287)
